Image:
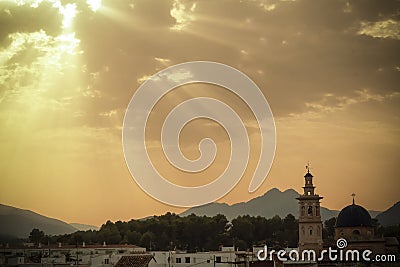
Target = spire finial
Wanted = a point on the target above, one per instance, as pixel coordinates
(308, 167)
(353, 195)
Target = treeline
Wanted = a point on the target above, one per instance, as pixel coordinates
(191, 233)
(198, 233)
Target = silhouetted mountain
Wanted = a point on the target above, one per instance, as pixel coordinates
(84, 227)
(274, 202)
(391, 216)
(19, 223)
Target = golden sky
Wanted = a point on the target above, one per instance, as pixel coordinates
(329, 70)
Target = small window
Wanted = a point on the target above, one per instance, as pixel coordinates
(356, 232)
(106, 261)
(187, 259)
(218, 259)
(310, 231)
(178, 260)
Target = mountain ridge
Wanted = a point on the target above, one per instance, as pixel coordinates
(391, 216)
(17, 222)
(263, 206)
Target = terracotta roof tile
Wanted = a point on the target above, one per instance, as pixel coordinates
(134, 260)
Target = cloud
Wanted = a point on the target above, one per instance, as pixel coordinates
(44, 58)
(331, 103)
(183, 14)
(315, 61)
(109, 113)
(381, 29)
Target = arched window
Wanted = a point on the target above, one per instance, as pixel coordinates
(356, 232)
(310, 231)
(309, 211)
(303, 210)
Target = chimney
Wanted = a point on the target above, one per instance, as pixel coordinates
(104, 243)
(83, 244)
(59, 244)
(40, 245)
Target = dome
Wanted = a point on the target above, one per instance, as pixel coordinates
(353, 216)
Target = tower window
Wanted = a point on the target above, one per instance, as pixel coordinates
(303, 210)
(310, 231)
(309, 210)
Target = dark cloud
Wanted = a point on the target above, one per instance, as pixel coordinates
(297, 51)
(14, 18)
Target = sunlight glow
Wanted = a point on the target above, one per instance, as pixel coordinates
(94, 5)
(27, 81)
(69, 13)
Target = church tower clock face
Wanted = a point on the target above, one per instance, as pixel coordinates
(310, 223)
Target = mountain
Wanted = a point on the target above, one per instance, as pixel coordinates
(391, 216)
(84, 227)
(274, 202)
(19, 223)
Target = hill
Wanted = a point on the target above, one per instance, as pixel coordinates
(391, 216)
(19, 223)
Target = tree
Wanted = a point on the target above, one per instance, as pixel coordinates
(36, 236)
(330, 228)
(109, 233)
(133, 237)
(147, 239)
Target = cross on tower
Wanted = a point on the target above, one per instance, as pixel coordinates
(308, 167)
(353, 195)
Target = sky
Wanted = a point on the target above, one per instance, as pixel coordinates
(68, 69)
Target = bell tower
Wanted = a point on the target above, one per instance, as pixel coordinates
(310, 224)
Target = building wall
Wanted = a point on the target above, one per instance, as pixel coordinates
(354, 233)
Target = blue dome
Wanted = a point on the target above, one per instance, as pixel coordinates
(353, 216)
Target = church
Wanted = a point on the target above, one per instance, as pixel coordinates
(354, 224)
